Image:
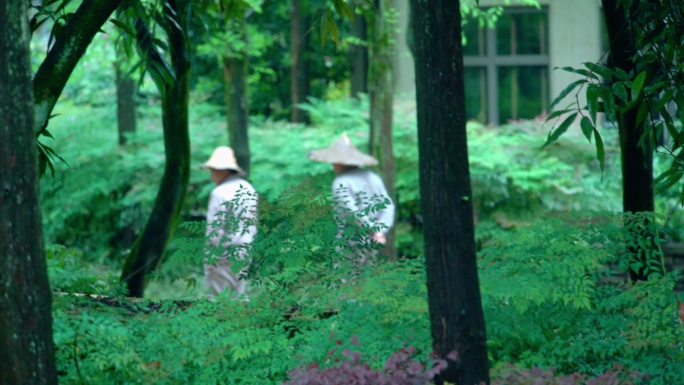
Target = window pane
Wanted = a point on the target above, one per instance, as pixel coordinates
(476, 93)
(522, 33)
(523, 92)
(474, 39)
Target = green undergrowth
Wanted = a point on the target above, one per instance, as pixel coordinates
(550, 301)
(552, 291)
(99, 199)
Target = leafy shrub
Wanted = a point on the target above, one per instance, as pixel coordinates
(68, 274)
(614, 376)
(549, 299)
(549, 302)
(99, 200)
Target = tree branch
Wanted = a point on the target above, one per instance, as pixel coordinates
(68, 49)
(159, 69)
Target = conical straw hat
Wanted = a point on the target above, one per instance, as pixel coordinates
(343, 152)
(223, 158)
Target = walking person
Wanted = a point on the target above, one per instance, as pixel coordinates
(364, 212)
(231, 224)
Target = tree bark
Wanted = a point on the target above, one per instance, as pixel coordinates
(456, 316)
(299, 72)
(148, 250)
(359, 62)
(125, 104)
(237, 102)
(381, 99)
(27, 354)
(69, 47)
(637, 158)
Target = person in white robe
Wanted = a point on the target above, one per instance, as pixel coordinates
(231, 224)
(361, 201)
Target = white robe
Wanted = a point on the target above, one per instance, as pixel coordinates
(231, 228)
(361, 200)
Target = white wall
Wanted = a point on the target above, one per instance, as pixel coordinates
(404, 75)
(574, 38)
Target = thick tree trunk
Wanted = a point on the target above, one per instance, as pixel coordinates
(148, 249)
(455, 306)
(70, 45)
(237, 107)
(381, 98)
(637, 158)
(359, 60)
(299, 79)
(27, 354)
(125, 104)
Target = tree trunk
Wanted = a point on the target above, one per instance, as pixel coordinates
(27, 354)
(637, 159)
(148, 250)
(359, 61)
(456, 316)
(125, 105)
(237, 103)
(299, 82)
(381, 98)
(69, 47)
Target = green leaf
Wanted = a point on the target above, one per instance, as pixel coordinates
(329, 29)
(664, 100)
(587, 127)
(638, 85)
(558, 131)
(642, 114)
(581, 71)
(344, 9)
(558, 113)
(592, 100)
(608, 100)
(620, 91)
(600, 150)
(603, 71)
(123, 27)
(668, 179)
(566, 91)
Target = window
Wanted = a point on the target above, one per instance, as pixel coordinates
(507, 67)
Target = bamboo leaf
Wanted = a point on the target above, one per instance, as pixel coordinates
(620, 91)
(566, 91)
(600, 150)
(558, 113)
(642, 114)
(668, 179)
(558, 131)
(638, 85)
(581, 71)
(123, 27)
(603, 71)
(344, 9)
(587, 127)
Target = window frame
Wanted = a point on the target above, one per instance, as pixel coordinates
(491, 61)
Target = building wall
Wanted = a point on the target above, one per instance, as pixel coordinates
(574, 38)
(404, 75)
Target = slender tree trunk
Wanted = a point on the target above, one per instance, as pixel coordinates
(456, 316)
(27, 354)
(299, 83)
(69, 47)
(148, 250)
(359, 61)
(381, 94)
(237, 103)
(637, 158)
(125, 104)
